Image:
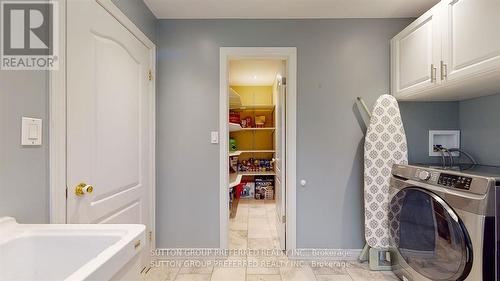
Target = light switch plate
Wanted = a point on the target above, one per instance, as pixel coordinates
(31, 131)
(214, 137)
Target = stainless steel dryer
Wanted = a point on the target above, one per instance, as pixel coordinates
(442, 223)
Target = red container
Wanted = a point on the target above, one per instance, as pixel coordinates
(234, 117)
(249, 122)
(239, 188)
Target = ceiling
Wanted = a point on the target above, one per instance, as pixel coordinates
(253, 72)
(287, 9)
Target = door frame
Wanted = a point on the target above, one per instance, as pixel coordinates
(57, 116)
(290, 55)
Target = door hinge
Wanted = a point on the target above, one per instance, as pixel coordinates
(283, 219)
(151, 236)
(66, 192)
(283, 81)
(150, 75)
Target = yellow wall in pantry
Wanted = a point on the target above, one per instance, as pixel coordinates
(269, 115)
(254, 140)
(255, 95)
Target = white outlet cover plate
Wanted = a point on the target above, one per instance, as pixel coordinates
(31, 131)
(445, 138)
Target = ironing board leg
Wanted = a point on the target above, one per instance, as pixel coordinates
(363, 257)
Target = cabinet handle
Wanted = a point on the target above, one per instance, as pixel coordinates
(444, 70)
(433, 73)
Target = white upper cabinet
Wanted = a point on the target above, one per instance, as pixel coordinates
(452, 52)
(415, 54)
(471, 37)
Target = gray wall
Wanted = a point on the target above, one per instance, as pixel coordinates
(24, 192)
(337, 61)
(139, 14)
(478, 120)
(24, 188)
(419, 118)
(480, 125)
(24, 185)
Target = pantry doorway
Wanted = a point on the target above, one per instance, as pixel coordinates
(258, 148)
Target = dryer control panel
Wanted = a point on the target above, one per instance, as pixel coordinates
(455, 181)
(471, 181)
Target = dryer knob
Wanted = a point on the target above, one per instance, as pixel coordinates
(424, 175)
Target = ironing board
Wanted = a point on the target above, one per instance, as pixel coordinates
(385, 145)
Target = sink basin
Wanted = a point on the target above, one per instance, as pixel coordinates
(68, 251)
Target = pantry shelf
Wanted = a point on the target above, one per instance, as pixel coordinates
(239, 152)
(234, 179)
(234, 153)
(258, 129)
(233, 127)
(234, 98)
(263, 107)
(270, 173)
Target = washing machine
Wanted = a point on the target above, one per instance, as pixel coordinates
(442, 223)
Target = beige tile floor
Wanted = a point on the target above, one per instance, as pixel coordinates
(254, 228)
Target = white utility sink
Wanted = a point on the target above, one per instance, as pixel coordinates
(69, 251)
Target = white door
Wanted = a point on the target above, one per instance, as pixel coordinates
(471, 40)
(280, 183)
(415, 55)
(109, 120)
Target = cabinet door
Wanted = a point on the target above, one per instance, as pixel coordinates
(415, 55)
(471, 37)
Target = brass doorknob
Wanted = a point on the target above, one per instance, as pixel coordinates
(83, 188)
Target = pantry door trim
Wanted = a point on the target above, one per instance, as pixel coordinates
(57, 127)
(57, 116)
(290, 55)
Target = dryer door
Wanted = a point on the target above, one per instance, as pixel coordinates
(429, 235)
